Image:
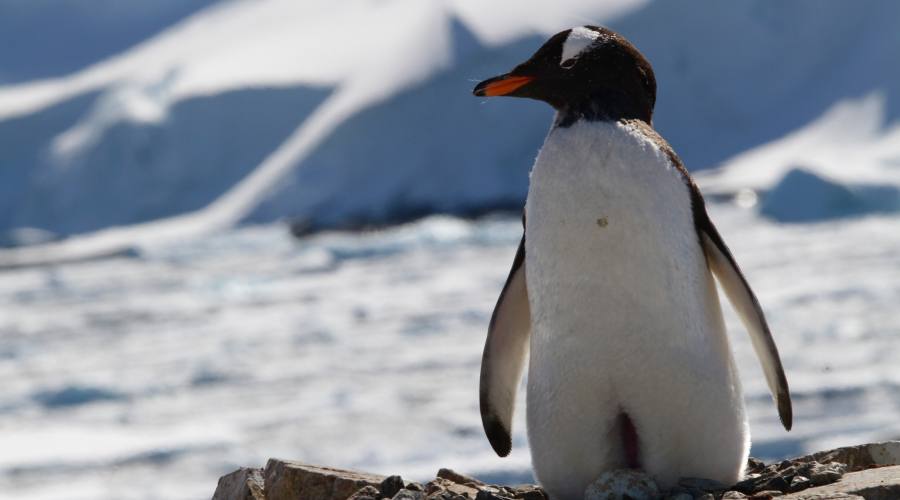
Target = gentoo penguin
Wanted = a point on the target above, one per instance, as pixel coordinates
(612, 291)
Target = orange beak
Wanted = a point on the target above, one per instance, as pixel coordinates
(501, 85)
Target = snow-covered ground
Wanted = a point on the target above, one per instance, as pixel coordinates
(149, 376)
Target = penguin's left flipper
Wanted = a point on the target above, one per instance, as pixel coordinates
(744, 301)
(504, 356)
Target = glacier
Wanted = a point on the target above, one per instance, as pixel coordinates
(376, 125)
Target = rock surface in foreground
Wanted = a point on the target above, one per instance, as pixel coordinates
(870, 472)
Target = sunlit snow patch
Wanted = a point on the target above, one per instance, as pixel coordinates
(843, 164)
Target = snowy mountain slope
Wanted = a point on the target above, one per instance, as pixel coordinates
(51, 38)
(141, 89)
(743, 76)
(25, 141)
(853, 142)
(406, 136)
(843, 164)
(110, 171)
(431, 148)
(735, 76)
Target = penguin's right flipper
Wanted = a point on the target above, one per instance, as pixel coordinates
(504, 356)
(741, 296)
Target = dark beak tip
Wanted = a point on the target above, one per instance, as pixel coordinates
(478, 91)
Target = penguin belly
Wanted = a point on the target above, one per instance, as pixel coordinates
(629, 362)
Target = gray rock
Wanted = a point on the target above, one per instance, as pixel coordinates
(826, 474)
(791, 476)
(860, 457)
(405, 494)
(491, 495)
(434, 486)
(529, 492)
(438, 486)
(456, 477)
(733, 495)
(366, 493)
(799, 483)
(699, 483)
(618, 483)
(832, 496)
(242, 484)
(880, 483)
(298, 481)
(462, 490)
(755, 465)
(768, 481)
(777, 483)
(853, 472)
(766, 495)
(390, 486)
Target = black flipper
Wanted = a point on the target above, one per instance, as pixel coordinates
(744, 301)
(504, 356)
(732, 280)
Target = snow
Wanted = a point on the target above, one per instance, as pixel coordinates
(181, 332)
(362, 350)
(202, 55)
(842, 164)
(802, 196)
(509, 20)
(852, 143)
(82, 33)
(107, 145)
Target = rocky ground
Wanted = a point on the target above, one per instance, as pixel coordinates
(870, 472)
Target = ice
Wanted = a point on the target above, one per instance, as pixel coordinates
(802, 196)
(843, 164)
(161, 329)
(378, 124)
(852, 143)
(73, 396)
(362, 350)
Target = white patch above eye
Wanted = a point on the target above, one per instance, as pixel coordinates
(578, 40)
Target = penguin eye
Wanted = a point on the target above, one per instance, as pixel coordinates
(568, 63)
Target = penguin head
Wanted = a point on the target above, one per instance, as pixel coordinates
(587, 72)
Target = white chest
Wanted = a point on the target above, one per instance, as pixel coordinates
(610, 237)
(625, 316)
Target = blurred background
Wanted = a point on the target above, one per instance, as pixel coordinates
(235, 230)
